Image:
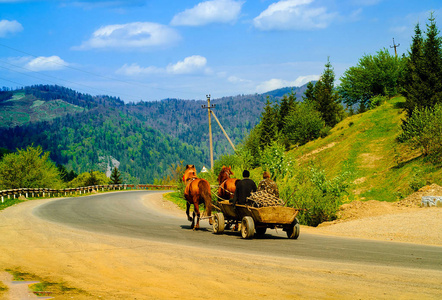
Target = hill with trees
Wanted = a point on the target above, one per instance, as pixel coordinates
(323, 156)
(84, 132)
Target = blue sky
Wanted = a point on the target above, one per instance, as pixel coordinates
(155, 49)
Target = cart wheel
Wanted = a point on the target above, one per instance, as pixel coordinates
(293, 230)
(247, 227)
(218, 225)
(261, 231)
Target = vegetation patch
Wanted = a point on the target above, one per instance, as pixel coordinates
(9, 202)
(56, 289)
(3, 289)
(177, 198)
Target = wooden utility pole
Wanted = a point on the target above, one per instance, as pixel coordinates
(210, 112)
(395, 46)
(210, 129)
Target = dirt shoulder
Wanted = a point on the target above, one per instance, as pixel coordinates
(113, 267)
(401, 221)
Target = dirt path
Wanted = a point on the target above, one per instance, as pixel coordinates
(110, 267)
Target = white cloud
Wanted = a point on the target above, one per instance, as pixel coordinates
(235, 79)
(293, 15)
(190, 65)
(132, 35)
(214, 11)
(135, 69)
(274, 83)
(7, 27)
(42, 63)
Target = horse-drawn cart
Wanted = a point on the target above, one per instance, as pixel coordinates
(256, 219)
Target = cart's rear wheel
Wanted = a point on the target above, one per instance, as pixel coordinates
(261, 230)
(247, 227)
(293, 230)
(218, 225)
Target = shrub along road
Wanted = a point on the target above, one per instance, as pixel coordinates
(121, 245)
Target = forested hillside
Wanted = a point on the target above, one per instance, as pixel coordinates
(85, 132)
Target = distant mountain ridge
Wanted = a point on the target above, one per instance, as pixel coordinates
(145, 137)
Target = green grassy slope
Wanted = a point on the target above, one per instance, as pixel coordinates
(365, 145)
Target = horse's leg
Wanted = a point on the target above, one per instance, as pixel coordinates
(197, 211)
(189, 218)
(193, 221)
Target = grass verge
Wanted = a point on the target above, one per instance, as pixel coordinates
(57, 290)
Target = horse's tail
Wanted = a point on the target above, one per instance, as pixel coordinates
(204, 187)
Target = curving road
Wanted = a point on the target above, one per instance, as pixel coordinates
(125, 214)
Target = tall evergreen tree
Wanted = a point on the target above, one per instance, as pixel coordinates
(423, 77)
(268, 125)
(432, 63)
(309, 94)
(115, 177)
(412, 77)
(326, 98)
(288, 103)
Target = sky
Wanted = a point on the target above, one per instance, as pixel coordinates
(155, 49)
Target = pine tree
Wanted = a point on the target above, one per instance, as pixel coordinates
(423, 76)
(116, 176)
(412, 77)
(309, 94)
(326, 98)
(432, 64)
(288, 103)
(268, 125)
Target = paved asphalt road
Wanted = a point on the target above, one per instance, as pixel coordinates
(123, 213)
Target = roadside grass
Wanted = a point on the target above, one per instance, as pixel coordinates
(10, 202)
(57, 289)
(365, 145)
(3, 290)
(177, 198)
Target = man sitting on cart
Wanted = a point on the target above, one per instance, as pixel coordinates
(268, 185)
(244, 189)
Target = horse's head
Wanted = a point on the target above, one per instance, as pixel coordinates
(189, 173)
(224, 174)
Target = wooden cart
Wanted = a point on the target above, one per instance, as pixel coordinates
(256, 220)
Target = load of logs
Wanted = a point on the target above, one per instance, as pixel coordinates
(264, 199)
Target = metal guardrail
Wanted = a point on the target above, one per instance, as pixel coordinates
(46, 192)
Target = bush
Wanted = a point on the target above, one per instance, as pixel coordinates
(275, 160)
(303, 124)
(29, 168)
(325, 131)
(309, 189)
(376, 101)
(89, 179)
(423, 130)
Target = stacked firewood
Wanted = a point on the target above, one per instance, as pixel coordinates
(264, 199)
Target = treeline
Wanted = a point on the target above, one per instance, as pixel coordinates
(54, 92)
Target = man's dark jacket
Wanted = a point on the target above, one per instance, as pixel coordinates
(244, 188)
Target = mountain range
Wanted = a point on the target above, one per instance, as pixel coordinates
(84, 132)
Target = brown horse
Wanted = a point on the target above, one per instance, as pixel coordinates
(227, 185)
(197, 191)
